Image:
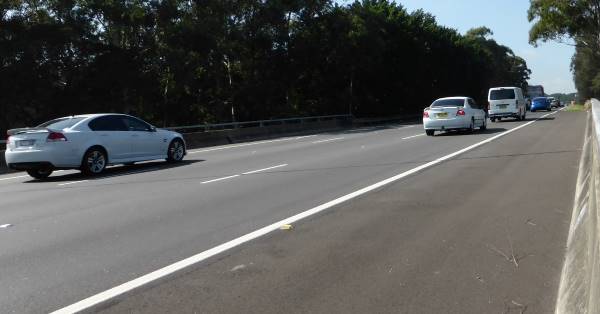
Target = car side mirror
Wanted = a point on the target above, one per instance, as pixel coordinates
(152, 129)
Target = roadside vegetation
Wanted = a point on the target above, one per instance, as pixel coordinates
(188, 62)
(577, 23)
(577, 107)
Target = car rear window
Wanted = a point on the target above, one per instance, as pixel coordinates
(59, 124)
(538, 99)
(448, 103)
(497, 94)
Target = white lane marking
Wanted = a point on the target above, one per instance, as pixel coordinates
(220, 179)
(73, 182)
(265, 169)
(248, 144)
(409, 137)
(12, 178)
(170, 269)
(328, 140)
(5, 226)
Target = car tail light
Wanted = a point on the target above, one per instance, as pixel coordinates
(425, 114)
(56, 137)
(460, 112)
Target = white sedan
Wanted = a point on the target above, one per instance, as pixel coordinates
(89, 143)
(454, 113)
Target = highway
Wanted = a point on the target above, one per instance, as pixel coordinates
(476, 232)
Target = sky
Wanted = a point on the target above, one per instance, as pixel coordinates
(549, 62)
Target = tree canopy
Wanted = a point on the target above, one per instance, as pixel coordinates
(176, 62)
(579, 21)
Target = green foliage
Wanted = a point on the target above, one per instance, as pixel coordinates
(578, 20)
(178, 62)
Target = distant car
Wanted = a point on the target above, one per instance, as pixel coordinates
(554, 102)
(541, 103)
(453, 113)
(90, 143)
(506, 102)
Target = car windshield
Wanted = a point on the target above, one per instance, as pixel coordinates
(539, 99)
(448, 103)
(497, 94)
(59, 124)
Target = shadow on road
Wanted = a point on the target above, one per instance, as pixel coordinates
(527, 119)
(466, 132)
(118, 171)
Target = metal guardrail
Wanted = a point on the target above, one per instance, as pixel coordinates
(258, 123)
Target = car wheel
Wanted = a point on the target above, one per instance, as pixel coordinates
(493, 119)
(176, 151)
(430, 132)
(499, 119)
(94, 161)
(40, 173)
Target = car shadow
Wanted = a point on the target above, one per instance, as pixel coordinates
(527, 119)
(118, 171)
(466, 132)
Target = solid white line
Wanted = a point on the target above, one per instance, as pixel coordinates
(12, 178)
(220, 179)
(170, 269)
(328, 140)
(409, 137)
(248, 144)
(5, 226)
(265, 169)
(74, 182)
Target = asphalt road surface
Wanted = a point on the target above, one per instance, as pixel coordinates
(482, 232)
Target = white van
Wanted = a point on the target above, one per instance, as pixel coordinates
(505, 102)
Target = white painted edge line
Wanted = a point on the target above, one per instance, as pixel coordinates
(4, 226)
(73, 182)
(248, 144)
(265, 169)
(12, 178)
(170, 269)
(220, 179)
(329, 140)
(409, 137)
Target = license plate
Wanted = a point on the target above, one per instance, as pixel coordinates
(25, 143)
(442, 115)
(502, 106)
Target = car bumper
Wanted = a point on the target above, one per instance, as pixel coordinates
(31, 159)
(540, 108)
(505, 114)
(446, 124)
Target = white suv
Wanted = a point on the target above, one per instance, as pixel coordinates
(506, 102)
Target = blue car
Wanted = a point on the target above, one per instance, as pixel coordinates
(541, 103)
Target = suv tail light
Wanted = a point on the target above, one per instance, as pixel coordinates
(425, 114)
(460, 112)
(56, 137)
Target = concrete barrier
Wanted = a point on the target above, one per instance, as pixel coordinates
(579, 289)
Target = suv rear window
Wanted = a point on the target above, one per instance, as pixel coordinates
(448, 103)
(497, 94)
(59, 124)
